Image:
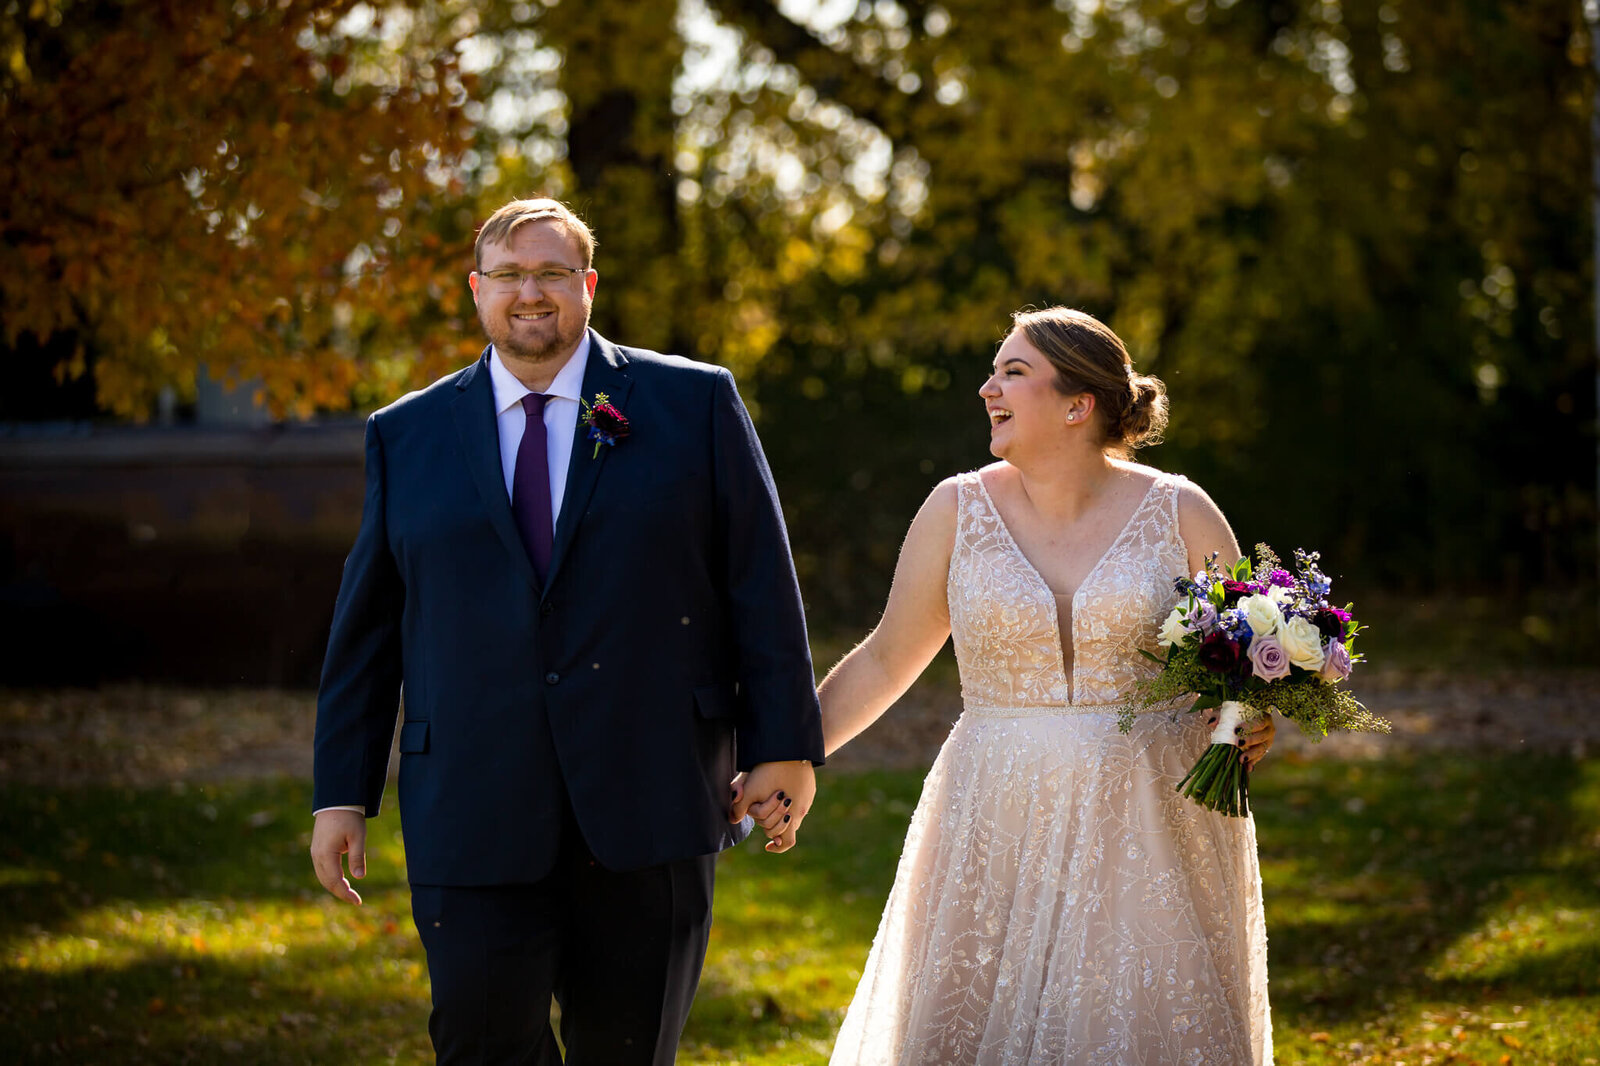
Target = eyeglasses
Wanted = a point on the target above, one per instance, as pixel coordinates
(512, 280)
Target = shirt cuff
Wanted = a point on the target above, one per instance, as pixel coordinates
(357, 808)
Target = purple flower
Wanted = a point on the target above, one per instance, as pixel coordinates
(1268, 660)
(1203, 619)
(1281, 578)
(1335, 662)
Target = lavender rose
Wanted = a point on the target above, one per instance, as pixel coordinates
(1335, 662)
(1203, 619)
(1268, 660)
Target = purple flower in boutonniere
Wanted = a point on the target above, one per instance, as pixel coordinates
(607, 425)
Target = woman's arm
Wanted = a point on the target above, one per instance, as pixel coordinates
(1203, 528)
(914, 626)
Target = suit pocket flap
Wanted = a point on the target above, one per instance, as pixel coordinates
(716, 701)
(414, 737)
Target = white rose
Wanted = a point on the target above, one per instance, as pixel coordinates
(1303, 642)
(1262, 614)
(1173, 631)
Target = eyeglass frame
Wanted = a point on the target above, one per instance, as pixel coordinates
(499, 278)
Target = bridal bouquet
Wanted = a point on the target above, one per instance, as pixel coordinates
(1251, 639)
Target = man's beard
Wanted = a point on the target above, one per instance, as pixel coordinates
(539, 348)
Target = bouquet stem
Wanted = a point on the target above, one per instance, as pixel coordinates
(1220, 780)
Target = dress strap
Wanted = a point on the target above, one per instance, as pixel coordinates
(971, 502)
(1171, 486)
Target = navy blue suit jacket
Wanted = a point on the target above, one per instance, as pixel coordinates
(665, 649)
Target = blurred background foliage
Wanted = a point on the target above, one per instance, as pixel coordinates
(1352, 236)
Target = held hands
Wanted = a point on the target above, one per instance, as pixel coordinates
(336, 834)
(1254, 738)
(778, 795)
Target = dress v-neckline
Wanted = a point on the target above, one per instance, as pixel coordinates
(1049, 593)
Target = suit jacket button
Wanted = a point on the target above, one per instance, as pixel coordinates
(552, 678)
(547, 609)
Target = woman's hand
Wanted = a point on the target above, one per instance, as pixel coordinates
(1254, 738)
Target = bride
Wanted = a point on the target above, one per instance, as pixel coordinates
(1057, 900)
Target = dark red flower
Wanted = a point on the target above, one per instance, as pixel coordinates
(1220, 653)
(607, 425)
(1330, 623)
(609, 421)
(1233, 591)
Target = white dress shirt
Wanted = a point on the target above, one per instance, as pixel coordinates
(560, 418)
(560, 426)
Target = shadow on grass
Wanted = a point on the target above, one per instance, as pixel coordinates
(310, 1006)
(184, 925)
(1402, 881)
(65, 851)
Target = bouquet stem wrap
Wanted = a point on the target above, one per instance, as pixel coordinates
(1220, 780)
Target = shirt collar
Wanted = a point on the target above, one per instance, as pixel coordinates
(567, 384)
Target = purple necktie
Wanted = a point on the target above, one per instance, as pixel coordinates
(530, 487)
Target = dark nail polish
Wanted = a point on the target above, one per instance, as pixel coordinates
(1241, 743)
(1238, 730)
(786, 817)
(780, 795)
(787, 802)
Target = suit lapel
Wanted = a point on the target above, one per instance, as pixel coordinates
(607, 373)
(474, 413)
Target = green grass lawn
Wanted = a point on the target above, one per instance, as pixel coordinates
(1419, 910)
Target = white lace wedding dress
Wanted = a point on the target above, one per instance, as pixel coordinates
(1057, 900)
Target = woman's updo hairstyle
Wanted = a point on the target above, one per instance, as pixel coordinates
(1088, 357)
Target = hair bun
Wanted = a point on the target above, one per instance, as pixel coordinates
(1146, 419)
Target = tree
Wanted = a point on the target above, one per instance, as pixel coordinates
(252, 185)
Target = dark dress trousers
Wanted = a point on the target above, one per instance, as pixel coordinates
(593, 720)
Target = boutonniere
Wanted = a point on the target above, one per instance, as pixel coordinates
(607, 425)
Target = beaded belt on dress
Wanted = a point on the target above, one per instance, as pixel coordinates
(1058, 710)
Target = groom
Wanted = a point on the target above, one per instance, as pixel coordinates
(571, 557)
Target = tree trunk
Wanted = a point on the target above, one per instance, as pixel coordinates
(618, 74)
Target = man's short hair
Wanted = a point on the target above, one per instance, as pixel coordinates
(504, 222)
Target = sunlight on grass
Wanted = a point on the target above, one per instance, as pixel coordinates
(1439, 909)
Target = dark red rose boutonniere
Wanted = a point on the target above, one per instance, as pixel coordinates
(607, 425)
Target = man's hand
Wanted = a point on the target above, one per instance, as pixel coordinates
(778, 795)
(336, 834)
